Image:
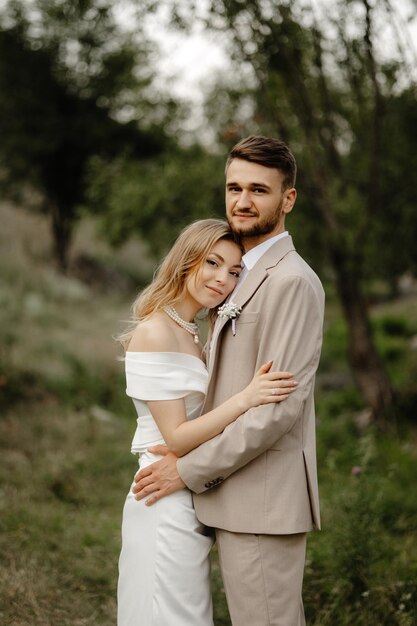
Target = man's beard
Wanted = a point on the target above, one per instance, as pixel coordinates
(262, 227)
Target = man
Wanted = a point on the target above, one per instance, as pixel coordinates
(256, 483)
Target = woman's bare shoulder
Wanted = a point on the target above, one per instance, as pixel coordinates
(154, 335)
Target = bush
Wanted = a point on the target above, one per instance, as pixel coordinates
(347, 579)
(393, 325)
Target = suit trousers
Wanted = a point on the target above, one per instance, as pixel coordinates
(263, 577)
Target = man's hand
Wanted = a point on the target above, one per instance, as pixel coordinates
(160, 479)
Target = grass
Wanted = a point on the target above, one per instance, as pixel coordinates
(65, 466)
(362, 568)
(62, 496)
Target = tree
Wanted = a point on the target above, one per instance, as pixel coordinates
(326, 91)
(156, 197)
(68, 76)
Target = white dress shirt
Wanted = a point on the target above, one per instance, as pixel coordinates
(250, 259)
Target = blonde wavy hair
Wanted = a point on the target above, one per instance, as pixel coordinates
(186, 256)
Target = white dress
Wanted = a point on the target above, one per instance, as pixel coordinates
(164, 565)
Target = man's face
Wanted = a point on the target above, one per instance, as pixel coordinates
(255, 203)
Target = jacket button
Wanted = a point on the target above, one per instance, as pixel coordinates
(212, 483)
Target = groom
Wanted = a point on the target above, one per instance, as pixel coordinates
(256, 483)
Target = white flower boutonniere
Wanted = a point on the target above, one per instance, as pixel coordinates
(230, 311)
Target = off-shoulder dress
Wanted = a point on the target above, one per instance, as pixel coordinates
(164, 566)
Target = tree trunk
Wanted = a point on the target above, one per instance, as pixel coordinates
(319, 114)
(62, 226)
(367, 366)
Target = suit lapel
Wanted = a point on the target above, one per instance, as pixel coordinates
(253, 280)
(212, 349)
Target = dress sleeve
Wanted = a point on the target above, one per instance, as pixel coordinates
(164, 375)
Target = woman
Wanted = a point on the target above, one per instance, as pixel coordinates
(164, 565)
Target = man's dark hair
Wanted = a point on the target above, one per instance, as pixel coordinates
(268, 152)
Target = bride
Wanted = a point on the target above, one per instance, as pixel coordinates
(164, 566)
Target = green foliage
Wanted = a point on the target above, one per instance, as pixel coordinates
(66, 72)
(347, 578)
(335, 345)
(58, 548)
(394, 326)
(319, 79)
(62, 525)
(393, 334)
(392, 249)
(81, 385)
(220, 610)
(16, 386)
(156, 197)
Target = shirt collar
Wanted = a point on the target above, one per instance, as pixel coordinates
(250, 259)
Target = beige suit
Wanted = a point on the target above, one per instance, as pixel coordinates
(259, 476)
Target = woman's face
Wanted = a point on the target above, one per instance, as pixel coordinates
(218, 275)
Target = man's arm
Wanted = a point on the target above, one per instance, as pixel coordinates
(160, 478)
(292, 337)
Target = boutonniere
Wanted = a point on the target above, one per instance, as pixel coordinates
(230, 311)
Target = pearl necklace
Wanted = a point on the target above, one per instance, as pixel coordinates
(190, 327)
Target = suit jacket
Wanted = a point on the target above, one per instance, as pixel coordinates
(259, 475)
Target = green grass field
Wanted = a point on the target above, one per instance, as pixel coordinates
(65, 465)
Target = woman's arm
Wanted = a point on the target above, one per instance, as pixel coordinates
(182, 435)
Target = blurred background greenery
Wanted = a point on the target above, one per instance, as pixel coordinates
(99, 169)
